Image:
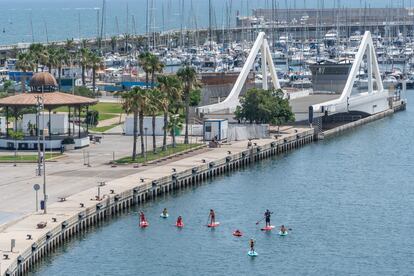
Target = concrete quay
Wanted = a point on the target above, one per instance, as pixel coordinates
(397, 106)
(82, 210)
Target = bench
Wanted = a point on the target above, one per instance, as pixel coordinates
(41, 224)
(61, 199)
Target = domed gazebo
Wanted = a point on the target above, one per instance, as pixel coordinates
(60, 126)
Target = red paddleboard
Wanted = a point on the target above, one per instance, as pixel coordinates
(212, 225)
(268, 228)
(179, 225)
(237, 234)
(143, 224)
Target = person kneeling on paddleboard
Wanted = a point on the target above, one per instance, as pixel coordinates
(267, 215)
(179, 221)
(251, 245)
(283, 229)
(165, 212)
(212, 217)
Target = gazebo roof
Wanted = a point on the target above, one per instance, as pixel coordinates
(43, 79)
(51, 99)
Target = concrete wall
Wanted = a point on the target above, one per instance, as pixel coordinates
(59, 125)
(2, 125)
(159, 126)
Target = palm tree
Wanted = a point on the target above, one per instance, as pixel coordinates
(155, 66)
(135, 102)
(153, 107)
(69, 45)
(52, 59)
(143, 62)
(39, 54)
(170, 88)
(127, 37)
(176, 122)
(95, 62)
(62, 59)
(24, 63)
(188, 76)
(114, 41)
(130, 105)
(83, 60)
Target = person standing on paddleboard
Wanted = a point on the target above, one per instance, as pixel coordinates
(212, 217)
(267, 215)
(142, 217)
(251, 242)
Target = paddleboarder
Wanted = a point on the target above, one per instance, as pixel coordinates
(142, 217)
(267, 215)
(165, 212)
(179, 222)
(283, 229)
(212, 217)
(251, 242)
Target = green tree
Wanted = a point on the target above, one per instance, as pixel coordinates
(155, 66)
(84, 92)
(188, 76)
(39, 54)
(175, 123)
(153, 108)
(95, 62)
(143, 62)
(62, 59)
(264, 107)
(171, 93)
(84, 62)
(24, 63)
(114, 42)
(135, 102)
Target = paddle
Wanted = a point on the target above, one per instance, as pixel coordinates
(260, 220)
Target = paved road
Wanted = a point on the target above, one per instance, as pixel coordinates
(65, 177)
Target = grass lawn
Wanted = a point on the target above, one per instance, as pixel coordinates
(26, 158)
(103, 117)
(102, 129)
(113, 108)
(160, 154)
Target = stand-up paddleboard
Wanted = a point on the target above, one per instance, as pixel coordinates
(252, 253)
(179, 225)
(283, 233)
(164, 216)
(268, 228)
(237, 234)
(143, 224)
(213, 225)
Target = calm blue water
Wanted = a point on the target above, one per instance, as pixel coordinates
(39, 20)
(349, 201)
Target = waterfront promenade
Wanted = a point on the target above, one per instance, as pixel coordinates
(120, 182)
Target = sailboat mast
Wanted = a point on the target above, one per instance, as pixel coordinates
(209, 24)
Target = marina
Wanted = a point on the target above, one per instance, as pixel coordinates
(118, 141)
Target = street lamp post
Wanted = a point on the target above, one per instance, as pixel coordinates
(44, 158)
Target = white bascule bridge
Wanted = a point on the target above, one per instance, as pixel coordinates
(372, 101)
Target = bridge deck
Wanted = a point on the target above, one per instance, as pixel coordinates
(300, 106)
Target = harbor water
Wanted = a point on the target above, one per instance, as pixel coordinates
(348, 201)
(53, 20)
